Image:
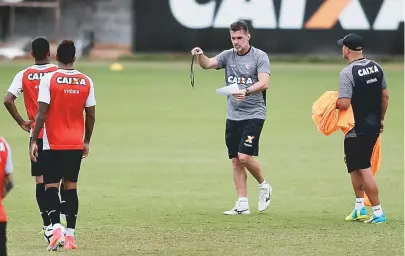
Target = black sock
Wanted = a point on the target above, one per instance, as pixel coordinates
(53, 204)
(42, 204)
(72, 203)
(62, 193)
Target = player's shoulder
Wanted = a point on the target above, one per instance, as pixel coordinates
(346, 70)
(258, 51)
(375, 63)
(227, 52)
(83, 75)
(49, 75)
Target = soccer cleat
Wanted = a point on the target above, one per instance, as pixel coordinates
(264, 197)
(57, 239)
(70, 243)
(358, 215)
(376, 220)
(238, 210)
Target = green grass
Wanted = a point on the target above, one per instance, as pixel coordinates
(158, 179)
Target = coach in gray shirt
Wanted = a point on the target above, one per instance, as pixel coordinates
(249, 67)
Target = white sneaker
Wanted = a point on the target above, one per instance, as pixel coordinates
(264, 197)
(238, 209)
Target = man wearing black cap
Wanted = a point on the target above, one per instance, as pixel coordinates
(362, 85)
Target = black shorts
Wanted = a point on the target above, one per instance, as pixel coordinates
(61, 164)
(36, 168)
(243, 137)
(3, 238)
(358, 151)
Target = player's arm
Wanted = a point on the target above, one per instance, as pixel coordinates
(40, 119)
(9, 103)
(89, 123)
(13, 91)
(207, 63)
(90, 119)
(345, 91)
(90, 114)
(384, 98)
(8, 179)
(8, 184)
(263, 74)
(261, 85)
(204, 61)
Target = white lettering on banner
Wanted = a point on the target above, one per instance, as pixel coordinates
(292, 14)
(353, 16)
(390, 15)
(193, 15)
(262, 14)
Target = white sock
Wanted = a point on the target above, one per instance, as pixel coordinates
(359, 204)
(70, 232)
(244, 203)
(378, 210)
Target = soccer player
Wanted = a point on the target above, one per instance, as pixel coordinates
(63, 97)
(362, 85)
(249, 67)
(27, 82)
(6, 184)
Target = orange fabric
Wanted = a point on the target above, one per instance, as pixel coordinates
(65, 124)
(326, 122)
(324, 115)
(3, 159)
(30, 83)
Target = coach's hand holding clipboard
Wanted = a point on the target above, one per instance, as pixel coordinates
(228, 90)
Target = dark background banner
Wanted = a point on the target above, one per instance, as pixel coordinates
(156, 29)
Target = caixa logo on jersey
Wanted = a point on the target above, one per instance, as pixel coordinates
(351, 14)
(240, 80)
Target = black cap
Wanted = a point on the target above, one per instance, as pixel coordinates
(352, 41)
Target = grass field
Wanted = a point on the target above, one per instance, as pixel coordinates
(158, 179)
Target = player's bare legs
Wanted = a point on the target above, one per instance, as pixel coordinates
(254, 168)
(72, 208)
(239, 178)
(370, 186)
(371, 189)
(359, 213)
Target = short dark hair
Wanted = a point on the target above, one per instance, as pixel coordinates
(40, 48)
(239, 25)
(66, 52)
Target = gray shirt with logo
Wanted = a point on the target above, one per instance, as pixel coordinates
(347, 82)
(244, 71)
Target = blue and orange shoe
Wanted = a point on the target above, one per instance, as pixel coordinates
(358, 215)
(376, 220)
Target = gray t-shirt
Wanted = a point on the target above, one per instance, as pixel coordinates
(347, 82)
(244, 70)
